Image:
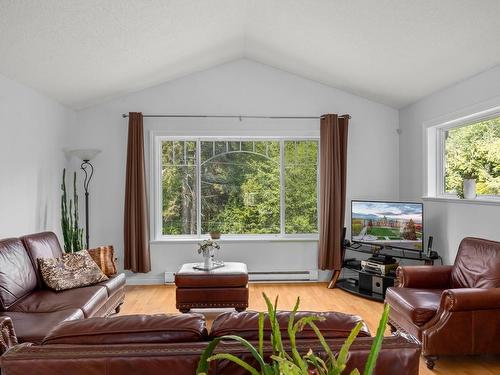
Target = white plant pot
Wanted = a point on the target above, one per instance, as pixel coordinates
(469, 189)
(207, 262)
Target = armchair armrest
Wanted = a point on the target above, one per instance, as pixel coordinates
(8, 337)
(467, 299)
(424, 277)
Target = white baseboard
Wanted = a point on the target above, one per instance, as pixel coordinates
(153, 280)
(168, 278)
(283, 276)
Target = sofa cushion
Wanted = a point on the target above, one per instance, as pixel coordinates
(90, 299)
(70, 271)
(17, 276)
(114, 283)
(245, 324)
(130, 329)
(477, 264)
(41, 245)
(32, 327)
(418, 305)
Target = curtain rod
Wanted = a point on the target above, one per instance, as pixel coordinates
(125, 115)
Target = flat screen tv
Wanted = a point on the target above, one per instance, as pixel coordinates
(389, 224)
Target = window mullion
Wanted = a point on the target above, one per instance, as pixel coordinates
(198, 187)
(441, 162)
(282, 187)
(158, 188)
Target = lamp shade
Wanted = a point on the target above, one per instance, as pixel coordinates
(85, 154)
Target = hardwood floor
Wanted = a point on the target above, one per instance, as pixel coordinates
(150, 299)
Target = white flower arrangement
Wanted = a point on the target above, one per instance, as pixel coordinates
(206, 245)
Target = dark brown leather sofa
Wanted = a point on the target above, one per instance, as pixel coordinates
(451, 310)
(161, 344)
(34, 309)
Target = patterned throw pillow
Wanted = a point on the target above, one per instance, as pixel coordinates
(104, 256)
(70, 271)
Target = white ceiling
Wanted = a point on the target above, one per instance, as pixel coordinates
(81, 52)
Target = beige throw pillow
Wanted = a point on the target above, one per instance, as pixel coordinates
(70, 271)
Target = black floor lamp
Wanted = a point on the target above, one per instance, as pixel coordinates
(88, 169)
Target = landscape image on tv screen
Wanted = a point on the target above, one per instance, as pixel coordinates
(394, 224)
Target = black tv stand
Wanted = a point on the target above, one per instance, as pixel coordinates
(352, 284)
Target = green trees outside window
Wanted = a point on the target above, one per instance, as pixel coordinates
(178, 181)
(242, 186)
(473, 151)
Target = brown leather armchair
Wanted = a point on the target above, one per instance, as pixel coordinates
(451, 310)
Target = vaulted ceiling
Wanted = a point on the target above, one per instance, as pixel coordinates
(81, 52)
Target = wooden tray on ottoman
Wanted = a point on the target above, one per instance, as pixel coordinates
(218, 288)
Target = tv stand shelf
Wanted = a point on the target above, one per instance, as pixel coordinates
(395, 253)
(352, 284)
(354, 289)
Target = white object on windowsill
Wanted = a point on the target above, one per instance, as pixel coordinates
(470, 188)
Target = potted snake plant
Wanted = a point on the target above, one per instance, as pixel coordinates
(285, 363)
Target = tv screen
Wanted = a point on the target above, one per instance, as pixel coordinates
(395, 224)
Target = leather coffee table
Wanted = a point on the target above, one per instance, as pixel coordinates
(219, 288)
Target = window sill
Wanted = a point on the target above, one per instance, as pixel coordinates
(481, 201)
(234, 239)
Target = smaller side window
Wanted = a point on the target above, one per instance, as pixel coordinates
(472, 152)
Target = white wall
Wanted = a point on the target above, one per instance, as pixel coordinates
(239, 87)
(448, 222)
(33, 131)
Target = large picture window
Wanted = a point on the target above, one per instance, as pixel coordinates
(240, 187)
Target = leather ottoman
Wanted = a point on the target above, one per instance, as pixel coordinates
(218, 288)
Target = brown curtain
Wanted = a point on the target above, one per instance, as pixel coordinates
(136, 228)
(333, 171)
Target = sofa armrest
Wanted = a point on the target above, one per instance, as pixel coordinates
(424, 277)
(468, 299)
(8, 336)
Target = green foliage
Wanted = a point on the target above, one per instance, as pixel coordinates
(281, 362)
(241, 193)
(240, 187)
(72, 233)
(301, 196)
(377, 342)
(473, 152)
(178, 187)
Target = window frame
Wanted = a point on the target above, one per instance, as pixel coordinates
(436, 158)
(157, 197)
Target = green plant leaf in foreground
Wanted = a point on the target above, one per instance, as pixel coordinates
(344, 351)
(377, 342)
(292, 330)
(238, 361)
(261, 334)
(207, 356)
(281, 362)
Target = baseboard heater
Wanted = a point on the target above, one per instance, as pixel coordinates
(311, 275)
